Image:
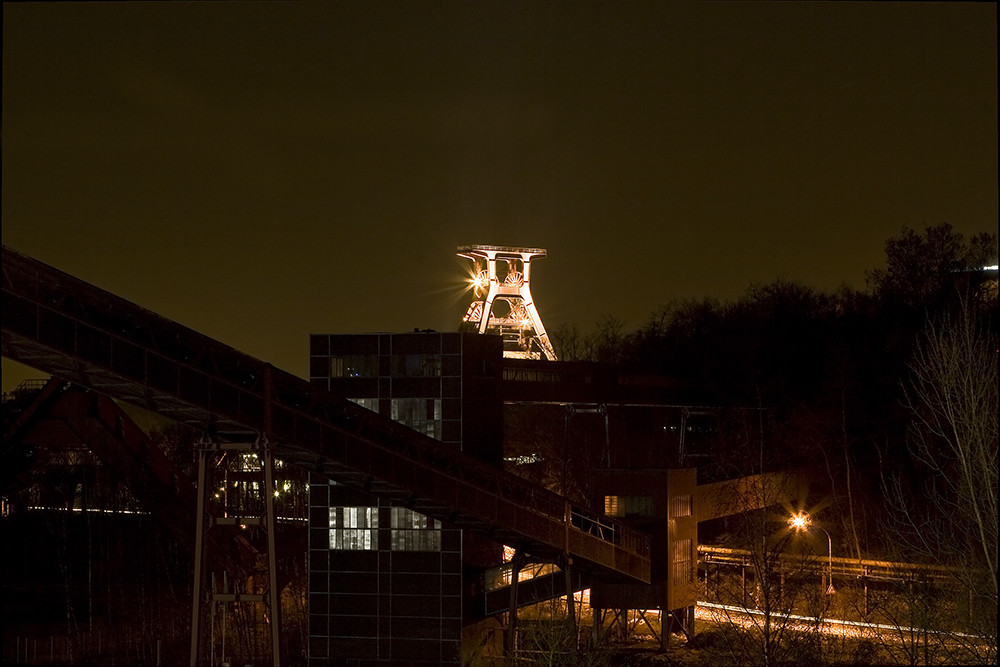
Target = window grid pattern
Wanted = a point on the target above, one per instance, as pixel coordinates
(423, 415)
(354, 528)
(416, 365)
(381, 605)
(383, 370)
(393, 591)
(412, 531)
(354, 366)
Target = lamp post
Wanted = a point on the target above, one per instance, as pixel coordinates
(801, 521)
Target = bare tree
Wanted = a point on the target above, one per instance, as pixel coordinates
(951, 519)
(914, 615)
(567, 342)
(776, 581)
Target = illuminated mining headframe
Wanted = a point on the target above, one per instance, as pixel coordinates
(502, 301)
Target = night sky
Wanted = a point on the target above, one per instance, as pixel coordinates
(263, 171)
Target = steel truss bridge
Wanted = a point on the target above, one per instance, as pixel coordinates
(64, 326)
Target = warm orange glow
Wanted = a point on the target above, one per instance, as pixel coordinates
(499, 278)
(479, 282)
(799, 521)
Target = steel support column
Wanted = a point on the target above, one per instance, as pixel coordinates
(567, 566)
(271, 597)
(516, 564)
(274, 591)
(199, 551)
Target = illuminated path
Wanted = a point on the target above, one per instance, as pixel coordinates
(711, 611)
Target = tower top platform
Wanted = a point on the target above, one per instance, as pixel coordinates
(514, 250)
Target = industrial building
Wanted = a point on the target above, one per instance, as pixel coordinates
(391, 585)
(435, 461)
(386, 582)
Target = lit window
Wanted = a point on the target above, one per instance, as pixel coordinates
(421, 414)
(353, 528)
(680, 506)
(412, 531)
(366, 403)
(628, 506)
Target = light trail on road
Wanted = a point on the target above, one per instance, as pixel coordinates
(714, 612)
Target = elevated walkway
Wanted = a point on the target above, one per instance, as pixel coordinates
(67, 327)
(746, 494)
(63, 414)
(537, 582)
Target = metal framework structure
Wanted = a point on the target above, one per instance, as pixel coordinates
(56, 413)
(62, 413)
(65, 326)
(210, 456)
(502, 275)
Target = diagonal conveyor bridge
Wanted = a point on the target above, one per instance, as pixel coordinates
(62, 325)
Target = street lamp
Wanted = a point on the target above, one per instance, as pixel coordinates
(800, 521)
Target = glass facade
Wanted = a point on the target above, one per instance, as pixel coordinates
(421, 414)
(416, 365)
(354, 366)
(386, 581)
(412, 531)
(426, 381)
(353, 528)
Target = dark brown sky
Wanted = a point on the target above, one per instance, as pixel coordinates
(263, 171)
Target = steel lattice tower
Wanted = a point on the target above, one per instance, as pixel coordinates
(501, 277)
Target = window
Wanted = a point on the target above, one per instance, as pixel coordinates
(682, 561)
(416, 365)
(680, 506)
(412, 531)
(366, 403)
(421, 414)
(354, 366)
(353, 528)
(628, 505)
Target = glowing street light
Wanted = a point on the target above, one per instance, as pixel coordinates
(800, 521)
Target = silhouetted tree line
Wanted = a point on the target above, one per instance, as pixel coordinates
(827, 368)
(888, 394)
